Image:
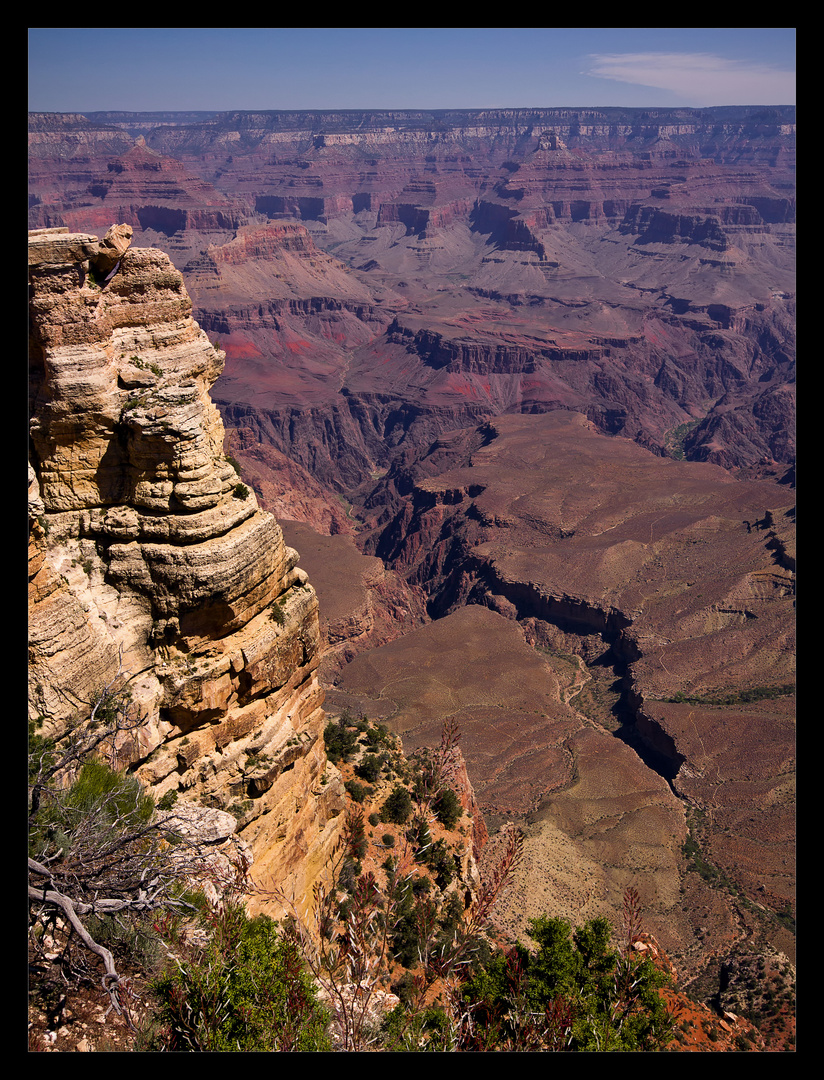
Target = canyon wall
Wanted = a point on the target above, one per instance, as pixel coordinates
(542, 364)
(152, 567)
(408, 272)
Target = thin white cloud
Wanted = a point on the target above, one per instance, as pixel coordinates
(700, 78)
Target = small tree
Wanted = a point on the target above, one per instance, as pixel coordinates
(369, 768)
(340, 738)
(97, 848)
(447, 808)
(397, 807)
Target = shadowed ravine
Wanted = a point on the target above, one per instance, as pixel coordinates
(657, 581)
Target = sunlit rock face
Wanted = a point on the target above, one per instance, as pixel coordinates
(151, 564)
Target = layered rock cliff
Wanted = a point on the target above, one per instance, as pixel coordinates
(442, 267)
(152, 566)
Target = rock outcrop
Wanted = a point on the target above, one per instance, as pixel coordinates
(152, 565)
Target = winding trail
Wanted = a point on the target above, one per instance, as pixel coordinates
(578, 683)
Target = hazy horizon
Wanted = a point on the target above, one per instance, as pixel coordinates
(211, 69)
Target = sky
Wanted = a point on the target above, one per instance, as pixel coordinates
(88, 69)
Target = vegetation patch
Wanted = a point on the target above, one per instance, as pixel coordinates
(245, 989)
(575, 991)
(674, 439)
(743, 697)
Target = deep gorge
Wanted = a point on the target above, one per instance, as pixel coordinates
(528, 390)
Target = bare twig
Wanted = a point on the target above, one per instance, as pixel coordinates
(99, 855)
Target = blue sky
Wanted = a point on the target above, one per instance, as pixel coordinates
(77, 69)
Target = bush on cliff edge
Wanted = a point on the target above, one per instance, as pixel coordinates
(244, 990)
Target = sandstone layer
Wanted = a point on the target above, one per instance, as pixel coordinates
(152, 566)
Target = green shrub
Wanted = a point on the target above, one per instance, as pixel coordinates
(379, 736)
(98, 801)
(406, 932)
(358, 792)
(245, 990)
(447, 808)
(120, 794)
(440, 861)
(369, 768)
(397, 807)
(341, 742)
(167, 801)
(240, 491)
(611, 1002)
(452, 915)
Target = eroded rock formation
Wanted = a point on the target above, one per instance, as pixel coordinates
(152, 566)
(379, 278)
(402, 286)
(655, 704)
